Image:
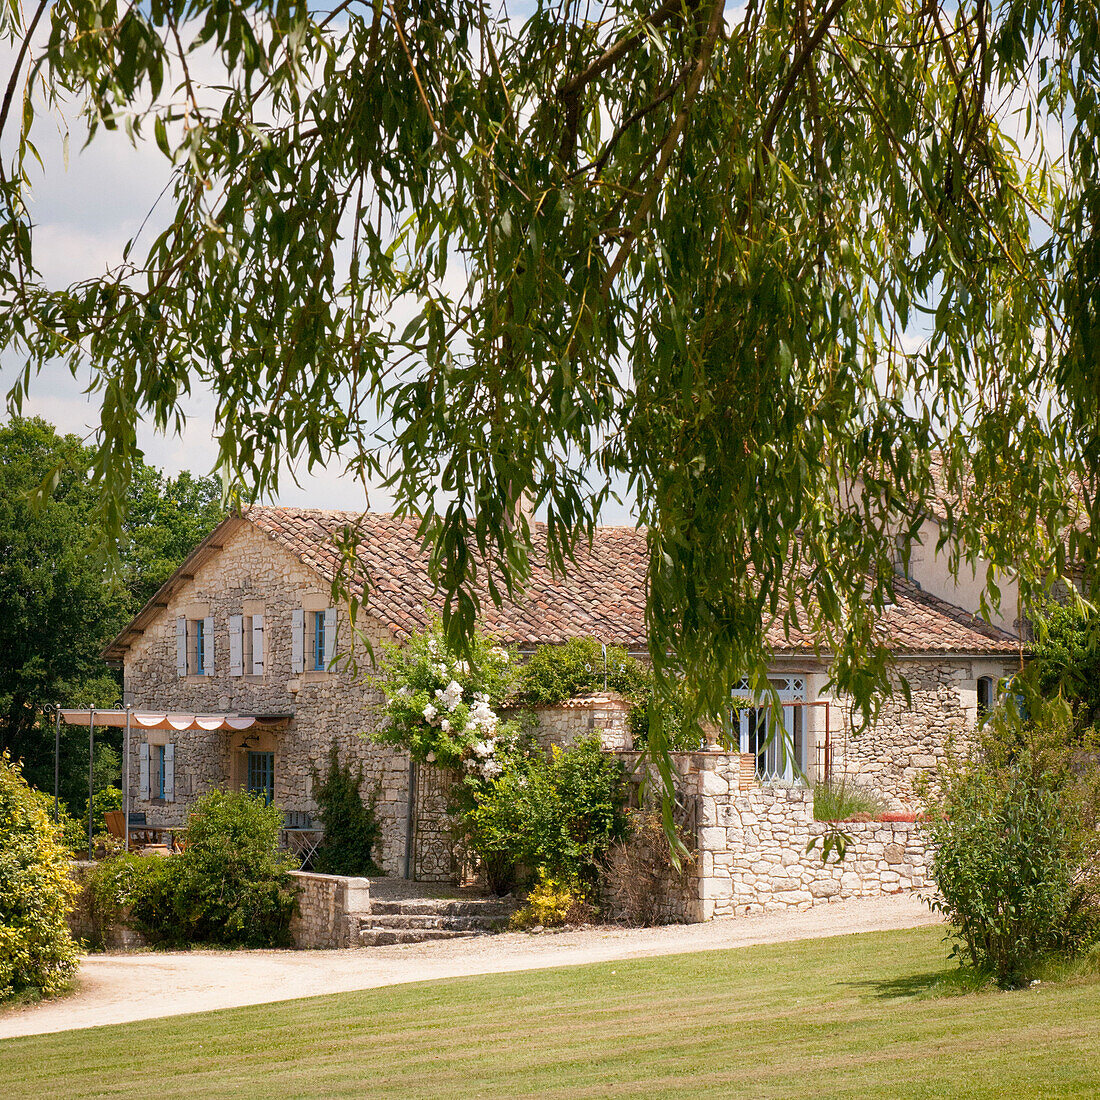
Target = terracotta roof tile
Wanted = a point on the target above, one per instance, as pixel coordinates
(603, 595)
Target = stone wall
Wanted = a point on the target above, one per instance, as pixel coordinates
(603, 713)
(329, 909)
(252, 574)
(905, 744)
(86, 924)
(750, 844)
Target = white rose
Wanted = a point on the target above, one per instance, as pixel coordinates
(430, 712)
(430, 758)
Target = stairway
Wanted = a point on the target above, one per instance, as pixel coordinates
(415, 920)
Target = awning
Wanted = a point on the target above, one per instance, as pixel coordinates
(157, 721)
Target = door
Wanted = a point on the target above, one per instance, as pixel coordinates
(261, 774)
(779, 749)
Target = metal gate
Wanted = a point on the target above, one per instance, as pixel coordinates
(433, 840)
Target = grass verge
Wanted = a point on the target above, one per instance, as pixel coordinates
(852, 1016)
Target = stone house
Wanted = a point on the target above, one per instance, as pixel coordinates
(248, 626)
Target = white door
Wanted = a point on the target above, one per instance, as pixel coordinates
(779, 751)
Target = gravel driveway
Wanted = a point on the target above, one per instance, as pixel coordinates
(114, 989)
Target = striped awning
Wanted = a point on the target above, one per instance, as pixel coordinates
(147, 720)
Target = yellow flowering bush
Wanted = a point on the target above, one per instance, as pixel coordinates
(36, 891)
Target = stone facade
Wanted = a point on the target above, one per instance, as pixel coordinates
(306, 711)
(901, 750)
(329, 910)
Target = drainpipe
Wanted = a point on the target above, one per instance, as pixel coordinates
(603, 646)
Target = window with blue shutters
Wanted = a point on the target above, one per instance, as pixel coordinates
(319, 655)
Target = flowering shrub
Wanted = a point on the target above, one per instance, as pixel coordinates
(36, 891)
(445, 709)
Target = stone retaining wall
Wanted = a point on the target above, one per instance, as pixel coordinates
(329, 908)
(753, 856)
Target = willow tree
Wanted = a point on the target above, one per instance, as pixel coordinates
(788, 271)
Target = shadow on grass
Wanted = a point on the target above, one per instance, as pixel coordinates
(918, 987)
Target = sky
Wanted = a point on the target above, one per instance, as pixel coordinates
(86, 205)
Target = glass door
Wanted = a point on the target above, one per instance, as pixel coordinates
(261, 774)
(779, 749)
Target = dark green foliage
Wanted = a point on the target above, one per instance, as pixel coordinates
(61, 603)
(36, 892)
(1017, 853)
(228, 886)
(1067, 658)
(557, 812)
(555, 673)
(351, 826)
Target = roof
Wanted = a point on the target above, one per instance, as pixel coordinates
(602, 596)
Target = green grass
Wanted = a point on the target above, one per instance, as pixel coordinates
(843, 1017)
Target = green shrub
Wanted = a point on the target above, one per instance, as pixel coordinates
(553, 903)
(555, 673)
(228, 886)
(37, 952)
(351, 825)
(843, 801)
(1017, 852)
(556, 811)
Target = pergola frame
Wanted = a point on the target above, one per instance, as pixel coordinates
(127, 719)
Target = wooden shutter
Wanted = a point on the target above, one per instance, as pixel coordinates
(236, 645)
(297, 640)
(208, 646)
(143, 770)
(169, 773)
(181, 647)
(330, 635)
(257, 645)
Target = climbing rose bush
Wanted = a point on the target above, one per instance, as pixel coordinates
(445, 709)
(36, 891)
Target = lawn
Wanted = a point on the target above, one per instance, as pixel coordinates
(842, 1017)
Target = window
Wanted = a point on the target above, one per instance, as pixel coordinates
(987, 695)
(195, 646)
(313, 638)
(246, 645)
(318, 648)
(261, 774)
(780, 751)
(157, 773)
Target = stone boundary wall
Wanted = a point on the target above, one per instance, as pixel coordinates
(751, 844)
(753, 856)
(329, 908)
(604, 713)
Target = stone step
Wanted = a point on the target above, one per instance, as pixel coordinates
(383, 937)
(434, 920)
(491, 908)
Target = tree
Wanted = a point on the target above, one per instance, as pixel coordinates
(61, 603)
(784, 271)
